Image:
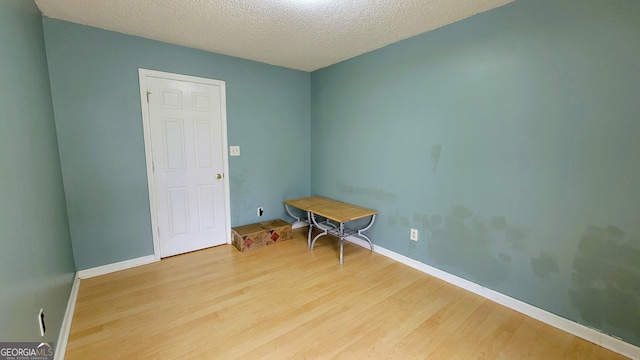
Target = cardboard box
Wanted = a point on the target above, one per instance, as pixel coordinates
(255, 236)
(249, 237)
(278, 230)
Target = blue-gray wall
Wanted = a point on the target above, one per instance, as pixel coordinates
(94, 81)
(36, 263)
(511, 141)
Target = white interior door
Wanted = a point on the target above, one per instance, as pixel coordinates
(185, 124)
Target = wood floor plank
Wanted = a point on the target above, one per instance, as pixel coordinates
(288, 302)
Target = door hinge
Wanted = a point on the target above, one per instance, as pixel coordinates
(148, 93)
(153, 167)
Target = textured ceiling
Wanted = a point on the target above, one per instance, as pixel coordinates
(298, 34)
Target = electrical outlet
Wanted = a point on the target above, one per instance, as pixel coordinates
(41, 324)
(234, 150)
(414, 234)
(260, 211)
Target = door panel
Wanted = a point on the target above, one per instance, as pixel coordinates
(174, 147)
(207, 212)
(204, 145)
(178, 210)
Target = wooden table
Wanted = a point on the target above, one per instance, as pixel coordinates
(307, 204)
(336, 215)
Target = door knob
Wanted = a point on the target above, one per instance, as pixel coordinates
(218, 176)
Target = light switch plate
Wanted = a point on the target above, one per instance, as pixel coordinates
(234, 150)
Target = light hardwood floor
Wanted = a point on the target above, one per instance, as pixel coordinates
(288, 302)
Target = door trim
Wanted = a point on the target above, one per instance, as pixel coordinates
(143, 74)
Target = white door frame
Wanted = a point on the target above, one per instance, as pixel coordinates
(146, 121)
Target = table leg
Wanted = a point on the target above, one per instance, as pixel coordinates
(310, 229)
(339, 231)
(286, 207)
(341, 242)
(298, 219)
(325, 232)
(360, 232)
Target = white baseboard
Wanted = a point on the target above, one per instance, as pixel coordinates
(65, 328)
(579, 330)
(122, 265)
(299, 224)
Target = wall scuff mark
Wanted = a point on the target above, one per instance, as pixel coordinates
(606, 279)
(544, 265)
(377, 194)
(436, 149)
(465, 240)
